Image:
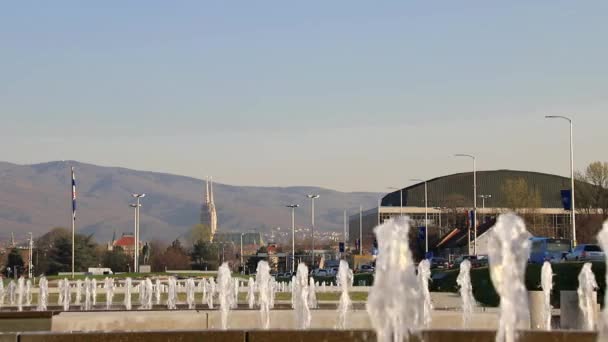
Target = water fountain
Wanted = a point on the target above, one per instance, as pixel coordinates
(43, 293)
(312, 294)
(2, 293)
(602, 238)
(87, 294)
(127, 292)
(172, 294)
(157, 290)
(12, 288)
(273, 291)
(344, 280)
(292, 290)
(149, 293)
(509, 248)
(78, 298)
(424, 276)
(236, 293)
(202, 288)
(20, 293)
(225, 292)
(211, 293)
(28, 292)
(546, 283)
(395, 277)
(108, 285)
(466, 291)
(251, 292)
(586, 299)
(94, 291)
(190, 287)
(300, 298)
(66, 294)
(265, 292)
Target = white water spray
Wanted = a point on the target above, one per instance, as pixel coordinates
(424, 276)
(466, 291)
(172, 294)
(300, 298)
(190, 287)
(344, 280)
(586, 289)
(251, 293)
(108, 285)
(546, 283)
(312, 294)
(43, 293)
(20, 293)
(265, 292)
(393, 300)
(127, 301)
(509, 248)
(226, 293)
(602, 238)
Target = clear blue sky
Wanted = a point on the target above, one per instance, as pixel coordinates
(351, 95)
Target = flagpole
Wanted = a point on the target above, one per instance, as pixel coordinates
(73, 218)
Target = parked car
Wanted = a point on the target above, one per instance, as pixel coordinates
(320, 272)
(366, 269)
(475, 262)
(586, 252)
(439, 263)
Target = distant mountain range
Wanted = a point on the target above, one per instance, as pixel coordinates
(35, 198)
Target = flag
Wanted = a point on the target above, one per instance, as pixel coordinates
(73, 195)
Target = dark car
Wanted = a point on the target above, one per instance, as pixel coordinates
(439, 263)
(475, 262)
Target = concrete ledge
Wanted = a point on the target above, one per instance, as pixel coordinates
(149, 336)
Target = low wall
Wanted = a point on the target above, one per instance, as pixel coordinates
(308, 335)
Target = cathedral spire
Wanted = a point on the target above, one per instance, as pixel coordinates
(211, 189)
(207, 195)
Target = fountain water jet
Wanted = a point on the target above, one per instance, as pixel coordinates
(108, 285)
(20, 293)
(94, 291)
(312, 294)
(251, 292)
(300, 298)
(43, 293)
(87, 294)
(226, 293)
(157, 290)
(265, 292)
(78, 292)
(602, 238)
(395, 277)
(466, 291)
(12, 288)
(546, 283)
(211, 293)
(344, 280)
(509, 249)
(28, 292)
(424, 276)
(2, 293)
(172, 294)
(190, 287)
(66, 294)
(586, 300)
(127, 301)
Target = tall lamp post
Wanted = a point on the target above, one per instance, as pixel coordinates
(474, 203)
(293, 235)
(483, 205)
(400, 198)
(573, 208)
(242, 268)
(426, 214)
(312, 225)
(138, 197)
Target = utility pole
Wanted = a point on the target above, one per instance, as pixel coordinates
(31, 256)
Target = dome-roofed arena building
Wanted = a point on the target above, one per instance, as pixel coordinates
(536, 196)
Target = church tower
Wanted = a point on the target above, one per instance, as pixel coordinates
(208, 211)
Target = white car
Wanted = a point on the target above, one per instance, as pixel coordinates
(586, 253)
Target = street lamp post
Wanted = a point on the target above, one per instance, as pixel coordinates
(426, 214)
(134, 206)
(400, 199)
(474, 203)
(293, 235)
(360, 230)
(138, 197)
(483, 205)
(571, 173)
(242, 268)
(312, 225)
